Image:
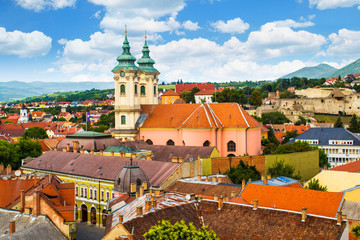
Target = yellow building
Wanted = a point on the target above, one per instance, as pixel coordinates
(169, 97)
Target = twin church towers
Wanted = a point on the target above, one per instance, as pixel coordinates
(134, 86)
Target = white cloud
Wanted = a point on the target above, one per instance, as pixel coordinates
(189, 25)
(345, 43)
(39, 5)
(24, 44)
(331, 4)
(97, 14)
(236, 25)
(91, 78)
(288, 23)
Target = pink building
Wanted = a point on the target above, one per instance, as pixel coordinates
(224, 125)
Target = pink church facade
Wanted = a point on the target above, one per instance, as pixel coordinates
(226, 126)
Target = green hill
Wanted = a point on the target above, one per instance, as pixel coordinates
(348, 69)
(312, 72)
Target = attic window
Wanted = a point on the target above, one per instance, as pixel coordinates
(149, 142)
(99, 167)
(118, 181)
(206, 143)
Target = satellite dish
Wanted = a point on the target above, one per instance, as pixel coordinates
(188, 197)
(18, 173)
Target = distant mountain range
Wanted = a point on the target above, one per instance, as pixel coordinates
(325, 71)
(15, 89)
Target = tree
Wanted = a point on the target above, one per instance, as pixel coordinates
(323, 159)
(301, 120)
(61, 119)
(354, 125)
(338, 123)
(279, 168)
(274, 118)
(287, 94)
(299, 146)
(188, 96)
(255, 98)
(356, 231)
(35, 133)
(179, 230)
(55, 111)
(243, 171)
(314, 184)
(289, 135)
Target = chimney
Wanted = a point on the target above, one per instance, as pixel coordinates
(206, 178)
(92, 152)
(226, 198)
(82, 151)
(75, 146)
(134, 139)
(219, 180)
(303, 214)
(36, 203)
(136, 195)
(255, 204)
(147, 206)
(198, 178)
(150, 191)
(125, 139)
(1, 168)
(243, 183)
(154, 203)
(216, 197)
(157, 192)
(268, 176)
(141, 191)
(112, 153)
(64, 149)
(249, 180)
(181, 159)
(101, 152)
(139, 211)
(55, 148)
(68, 147)
(8, 170)
(174, 159)
(148, 157)
(124, 155)
(133, 187)
(22, 201)
(265, 180)
(145, 185)
(233, 194)
(339, 218)
(133, 155)
(220, 202)
(11, 227)
(214, 179)
(143, 138)
(121, 218)
(325, 167)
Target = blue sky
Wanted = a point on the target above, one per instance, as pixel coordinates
(193, 40)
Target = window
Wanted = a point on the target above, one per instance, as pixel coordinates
(154, 90)
(107, 196)
(142, 90)
(118, 181)
(135, 89)
(90, 194)
(122, 89)
(102, 196)
(77, 191)
(149, 142)
(123, 119)
(85, 192)
(170, 142)
(231, 146)
(206, 143)
(81, 192)
(95, 194)
(138, 182)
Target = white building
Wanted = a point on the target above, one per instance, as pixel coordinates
(204, 96)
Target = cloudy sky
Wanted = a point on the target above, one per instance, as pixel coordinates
(193, 40)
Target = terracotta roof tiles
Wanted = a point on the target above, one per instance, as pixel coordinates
(170, 92)
(349, 167)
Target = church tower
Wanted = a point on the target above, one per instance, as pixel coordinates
(23, 115)
(133, 86)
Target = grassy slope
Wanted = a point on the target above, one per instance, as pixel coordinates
(332, 118)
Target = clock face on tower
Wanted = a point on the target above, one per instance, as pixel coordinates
(122, 73)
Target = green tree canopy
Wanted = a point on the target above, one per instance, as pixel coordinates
(356, 230)
(243, 171)
(314, 184)
(354, 125)
(279, 168)
(35, 133)
(255, 98)
(287, 94)
(274, 118)
(289, 135)
(338, 123)
(177, 231)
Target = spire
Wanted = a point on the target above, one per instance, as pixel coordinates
(145, 62)
(126, 60)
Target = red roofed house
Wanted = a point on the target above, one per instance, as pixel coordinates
(37, 115)
(204, 96)
(179, 88)
(65, 115)
(169, 97)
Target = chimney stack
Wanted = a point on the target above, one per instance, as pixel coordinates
(68, 147)
(36, 203)
(339, 218)
(64, 149)
(216, 197)
(255, 204)
(143, 138)
(1, 167)
(22, 201)
(11, 227)
(198, 178)
(92, 152)
(137, 195)
(112, 153)
(141, 191)
(145, 185)
(220, 202)
(55, 148)
(243, 183)
(303, 214)
(154, 203)
(219, 180)
(174, 159)
(226, 198)
(148, 157)
(75, 146)
(133, 156)
(325, 167)
(265, 180)
(139, 211)
(8, 170)
(147, 206)
(121, 218)
(101, 152)
(82, 151)
(157, 192)
(206, 178)
(268, 176)
(249, 180)
(125, 139)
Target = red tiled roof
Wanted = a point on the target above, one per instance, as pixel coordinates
(298, 128)
(294, 199)
(205, 92)
(213, 115)
(170, 92)
(349, 167)
(188, 87)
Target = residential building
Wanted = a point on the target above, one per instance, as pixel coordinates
(169, 97)
(204, 96)
(179, 88)
(340, 145)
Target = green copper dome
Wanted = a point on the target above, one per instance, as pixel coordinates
(145, 62)
(126, 60)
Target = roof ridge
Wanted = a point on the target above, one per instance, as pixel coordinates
(189, 116)
(207, 116)
(247, 124)
(215, 116)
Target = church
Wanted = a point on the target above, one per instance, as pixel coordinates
(138, 116)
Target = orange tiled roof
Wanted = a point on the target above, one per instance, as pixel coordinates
(299, 129)
(188, 87)
(294, 199)
(213, 115)
(170, 92)
(205, 92)
(349, 167)
(12, 189)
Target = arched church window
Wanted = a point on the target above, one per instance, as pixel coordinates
(135, 89)
(206, 143)
(123, 119)
(142, 90)
(231, 146)
(122, 89)
(149, 142)
(170, 142)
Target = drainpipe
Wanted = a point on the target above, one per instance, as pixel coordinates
(246, 140)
